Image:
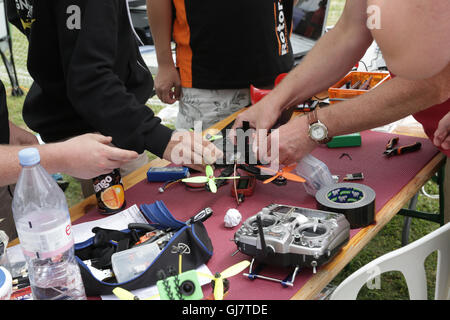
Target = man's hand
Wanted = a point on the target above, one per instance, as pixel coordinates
(293, 142)
(19, 136)
(168, 84)
(187, 148)
(90, 155)
(442, 134)
(260, 116)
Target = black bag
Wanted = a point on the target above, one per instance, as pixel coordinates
(190, 239)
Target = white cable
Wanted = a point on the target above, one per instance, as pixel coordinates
(431, 196)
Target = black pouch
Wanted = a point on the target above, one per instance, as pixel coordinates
(189, 239)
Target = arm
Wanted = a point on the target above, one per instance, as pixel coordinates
(392, 101)
(330, 59)
(167, 81)
(85, 157)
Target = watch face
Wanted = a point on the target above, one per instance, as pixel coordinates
(318, 132)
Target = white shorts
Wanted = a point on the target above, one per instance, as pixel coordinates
(209, 106)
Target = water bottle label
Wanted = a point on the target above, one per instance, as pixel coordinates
(46, 244)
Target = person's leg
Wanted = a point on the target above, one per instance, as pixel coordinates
(209, 106)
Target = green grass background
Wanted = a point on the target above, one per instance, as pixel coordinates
(392, 284)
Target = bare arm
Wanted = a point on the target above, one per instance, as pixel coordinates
(167, 81)
(331, 58)
(86, 156)
(392, 101)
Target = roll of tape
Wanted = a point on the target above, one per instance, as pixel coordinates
(355, 201)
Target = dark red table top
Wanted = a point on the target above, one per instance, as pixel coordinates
(387, 176)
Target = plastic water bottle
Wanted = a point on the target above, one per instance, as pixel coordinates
(43, 224)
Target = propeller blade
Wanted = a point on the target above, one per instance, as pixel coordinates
(234, 270)
(206, 275)
(123, 294)
(212, 185)
(218, 288)
(199, 179)
(293, 177)
(271, 179)
(209, 171)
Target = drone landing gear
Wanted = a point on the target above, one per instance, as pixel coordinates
(252, 275)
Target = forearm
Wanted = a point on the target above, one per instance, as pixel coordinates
(390, 102)
(331, 58)
(52, 160)
(160, 19)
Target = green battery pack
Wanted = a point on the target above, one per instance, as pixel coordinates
(347, 140)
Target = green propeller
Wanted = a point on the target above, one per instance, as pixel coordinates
(210, 179)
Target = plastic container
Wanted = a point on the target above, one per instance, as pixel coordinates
(5, 284)
(316, 174)
(130, 263)
(3, 247)
(44, 228)
(338, 91)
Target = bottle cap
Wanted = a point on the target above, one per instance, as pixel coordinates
(29, 157)
(5, 284)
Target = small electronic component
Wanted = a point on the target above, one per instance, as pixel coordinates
(243, 187)
(163, 174)
(354, 176)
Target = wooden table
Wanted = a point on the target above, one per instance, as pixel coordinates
(326, 273)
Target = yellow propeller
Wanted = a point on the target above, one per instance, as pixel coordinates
(209, 178)
(227, 273)
(123, 294)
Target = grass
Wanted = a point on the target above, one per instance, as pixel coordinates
(389, 239)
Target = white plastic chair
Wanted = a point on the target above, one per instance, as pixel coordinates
(409, 260)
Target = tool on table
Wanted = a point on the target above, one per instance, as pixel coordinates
(391, 151)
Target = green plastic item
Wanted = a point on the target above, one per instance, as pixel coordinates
(184, 286)
(348, 140)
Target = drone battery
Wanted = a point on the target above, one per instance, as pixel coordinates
(163, 174)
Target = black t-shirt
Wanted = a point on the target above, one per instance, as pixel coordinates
(4, 124)
(232, 44)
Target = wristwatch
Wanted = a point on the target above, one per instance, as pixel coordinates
(318, 132)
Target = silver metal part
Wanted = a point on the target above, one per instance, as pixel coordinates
(293, 236)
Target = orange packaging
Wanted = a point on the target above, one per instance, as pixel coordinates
(338, 91)
(109, 192)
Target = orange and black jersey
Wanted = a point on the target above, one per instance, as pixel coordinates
(229, 44)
